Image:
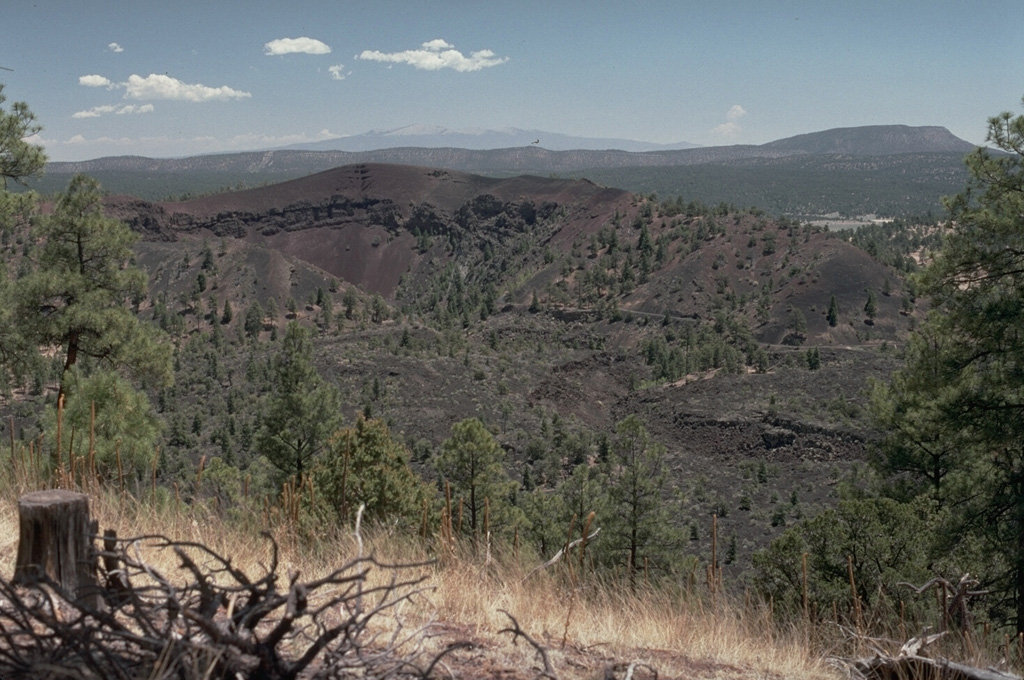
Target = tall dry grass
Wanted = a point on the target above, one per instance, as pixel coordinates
(583, 628)
(583, 619)
(586, 622)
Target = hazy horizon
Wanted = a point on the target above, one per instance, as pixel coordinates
(196, 78)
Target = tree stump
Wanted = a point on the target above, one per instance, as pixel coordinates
(55, 540)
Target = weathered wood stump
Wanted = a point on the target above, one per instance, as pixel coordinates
(55, 540)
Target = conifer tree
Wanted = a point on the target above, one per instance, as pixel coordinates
(104, 412)
(955, 413)
(365, 465)
(303, 410)
(19, 158)
(871, 306)
(253, 320)
(473, 462)
(639, 511)
(833, 312)
(79, 295)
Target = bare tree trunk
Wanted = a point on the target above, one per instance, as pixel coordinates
(69, 362)
(55, 542)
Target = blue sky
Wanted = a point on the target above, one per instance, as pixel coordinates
(176, 78)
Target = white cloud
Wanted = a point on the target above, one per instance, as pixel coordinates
(114, 47)
(435, 55)
(437, 44)
(730, 128)
(337, 71)
(132, 108)
(735, 112)
(94, 112)
(98, 111)
(94, 81)
(295, 45)
(155, 86)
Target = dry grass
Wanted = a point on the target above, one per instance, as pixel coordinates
(587, 625)
(591, 627)
(607, 622)
(586, 629)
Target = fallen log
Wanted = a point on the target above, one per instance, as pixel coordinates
(922, 668)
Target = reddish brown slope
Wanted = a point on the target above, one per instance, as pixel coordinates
(357, 222)
(401, 184)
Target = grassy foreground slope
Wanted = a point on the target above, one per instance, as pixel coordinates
(589, 627)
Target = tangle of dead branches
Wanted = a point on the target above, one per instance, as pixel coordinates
(209, 619)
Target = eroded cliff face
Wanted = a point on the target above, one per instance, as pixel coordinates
(165, 222)
(372, 225)
(148, 219)
(393, 197)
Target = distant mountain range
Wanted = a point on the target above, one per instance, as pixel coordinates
(411, 149)
(884, 169)
(435, 136)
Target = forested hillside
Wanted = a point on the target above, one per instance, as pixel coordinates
(510, 364)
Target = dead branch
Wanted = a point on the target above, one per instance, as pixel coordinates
(888, 668)
(464, 644)
(562, 552)
(908, 663)
(956, 598)
(629, 671)
(212, 620)
(542, 652)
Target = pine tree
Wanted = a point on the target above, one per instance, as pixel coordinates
(378, 309)
(365, 465)
(543, 512)
(326, 312)
(583, 492)
(883, 537)
(797, 321)
(639, 516)
(79, 296)
(19, 158)
(349, 300)
(871, 306)
(473, 462)
(123, 429)
(272, 311)
(303, 410)
(833, 312)
(955, 413)
(208, 261)
(253, 320)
